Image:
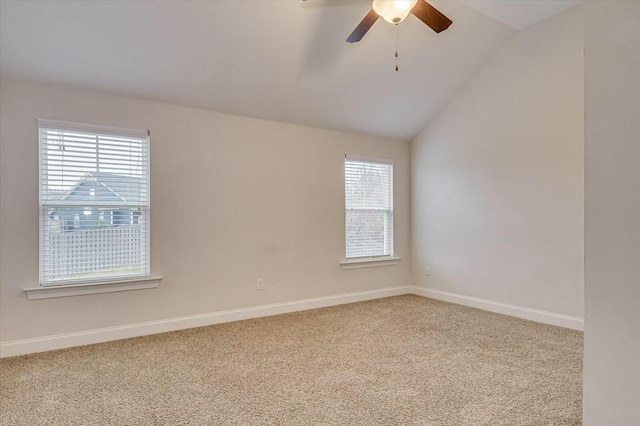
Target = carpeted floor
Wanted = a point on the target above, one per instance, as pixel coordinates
(403, 360)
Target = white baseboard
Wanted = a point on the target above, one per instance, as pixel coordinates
(60, 341)
(545, 317)
(68, 340)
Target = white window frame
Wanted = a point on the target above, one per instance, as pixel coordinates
(108, 283)
(390, 258)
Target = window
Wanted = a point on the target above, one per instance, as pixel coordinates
(369, 207)
(86, 171)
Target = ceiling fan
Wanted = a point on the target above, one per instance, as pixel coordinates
(395, 11)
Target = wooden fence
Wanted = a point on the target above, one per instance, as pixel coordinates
(90, 251)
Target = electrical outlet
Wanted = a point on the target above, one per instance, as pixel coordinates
(427, 271)
(260, 285)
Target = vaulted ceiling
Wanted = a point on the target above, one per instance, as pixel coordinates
(283, 60)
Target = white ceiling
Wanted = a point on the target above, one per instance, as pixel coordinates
(283, 60)
(521, 13)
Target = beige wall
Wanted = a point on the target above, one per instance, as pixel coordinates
(497, 177)
(233, 199)
(612, 322)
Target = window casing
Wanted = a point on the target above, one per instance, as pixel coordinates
(369, 207)
(93, 181)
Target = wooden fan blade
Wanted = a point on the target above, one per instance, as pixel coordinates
(363, 27)
(431, 16)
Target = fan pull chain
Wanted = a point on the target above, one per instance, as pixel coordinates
(396, 47)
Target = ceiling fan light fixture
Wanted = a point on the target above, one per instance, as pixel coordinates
(393, 11)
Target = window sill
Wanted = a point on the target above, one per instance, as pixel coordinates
(91, 288)
(369, 262)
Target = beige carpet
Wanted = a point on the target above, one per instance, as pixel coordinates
(403, 360)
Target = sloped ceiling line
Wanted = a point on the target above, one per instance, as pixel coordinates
(278, 60)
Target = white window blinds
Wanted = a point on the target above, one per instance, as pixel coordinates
(369, 207)
(94, 203)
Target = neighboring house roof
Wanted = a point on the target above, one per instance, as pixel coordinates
(108, 187)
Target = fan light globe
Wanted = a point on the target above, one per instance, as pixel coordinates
(393, 11)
